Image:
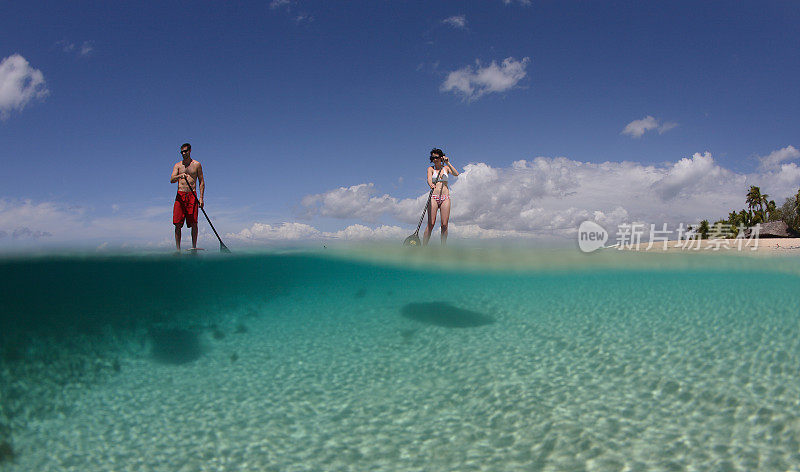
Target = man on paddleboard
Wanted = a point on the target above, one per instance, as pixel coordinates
(187, 172)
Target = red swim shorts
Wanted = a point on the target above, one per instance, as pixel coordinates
(185, 208)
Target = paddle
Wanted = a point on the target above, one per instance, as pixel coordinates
(222, 246)
(413, 240)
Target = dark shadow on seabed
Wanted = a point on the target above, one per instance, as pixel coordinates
(174, 345)
(445, 315)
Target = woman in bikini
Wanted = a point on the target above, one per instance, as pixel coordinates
(438, 175)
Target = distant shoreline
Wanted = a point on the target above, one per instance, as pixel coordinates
(709, 246)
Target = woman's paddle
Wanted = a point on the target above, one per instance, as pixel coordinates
(222, 246)
(413, 240)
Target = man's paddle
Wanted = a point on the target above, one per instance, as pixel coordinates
(222, 246)
(413, 240)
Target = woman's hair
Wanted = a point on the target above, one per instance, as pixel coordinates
(436, 151)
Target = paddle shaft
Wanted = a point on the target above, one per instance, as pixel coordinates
(427, 207)
(222, 245)
(419, 225)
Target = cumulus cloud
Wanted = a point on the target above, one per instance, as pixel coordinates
(292, 231)
(357, 201)
(359, 232)
(38, 215)
(287, 231)
(690, 176)
(19, 84)
(474, 82)
(59, 222)
(456, 21)
(551, 196)
(542, 197)
(637, 128)
(775, 158)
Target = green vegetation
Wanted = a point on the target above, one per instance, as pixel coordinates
(760, 209)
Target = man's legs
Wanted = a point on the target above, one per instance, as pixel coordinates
(178, 236)
(194, 235)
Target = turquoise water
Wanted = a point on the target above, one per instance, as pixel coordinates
(308, 361)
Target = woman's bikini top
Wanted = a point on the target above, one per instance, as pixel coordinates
(440, 175)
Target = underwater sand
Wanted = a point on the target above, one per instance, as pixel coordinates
(356, 362)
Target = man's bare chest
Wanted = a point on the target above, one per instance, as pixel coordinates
(191, 169)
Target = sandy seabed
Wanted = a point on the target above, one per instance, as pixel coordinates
(601, 373)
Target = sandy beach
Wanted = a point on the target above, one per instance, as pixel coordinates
(763, 246)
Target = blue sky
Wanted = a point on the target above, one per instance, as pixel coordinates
(300, 110)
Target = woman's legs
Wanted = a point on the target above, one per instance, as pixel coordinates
(431, 221)
(445, 213)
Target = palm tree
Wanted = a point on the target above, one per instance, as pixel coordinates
(753, 198)
(764, 204)
(774, 214)
(703, 229)
(797, 202)
(745, 218)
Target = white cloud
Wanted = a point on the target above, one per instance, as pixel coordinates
(456, 21)
(290, 231)
(19, 84)
(637, 128)
(474, 82)
(359, 232)
(86, 48)
(472, 231)
(666, 127)
(544, 197)
(551, 196)
(63, 223)
(66, 46)
(357, 201)
(287, 231)
(40, 216)
(281, 3)
(773, 159)
(691, 176)
(69, 47)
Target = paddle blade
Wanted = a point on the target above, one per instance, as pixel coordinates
(412, 241)
(223, 248)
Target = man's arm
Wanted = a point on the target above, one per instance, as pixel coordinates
(175, 176)
(201, 184)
